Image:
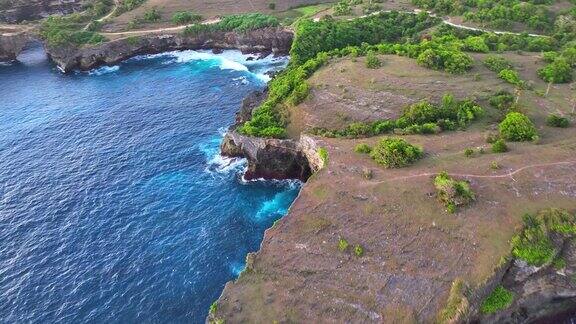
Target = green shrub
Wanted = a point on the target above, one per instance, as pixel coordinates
(343, 245)
(502, 100)
(152, 15)
(358, 250)
(557, 121)
(476, 44)
(468, 152)
(272, 6)
(61, 31)
(363, 148)
(517, 127)
(511, 77)
(185, 17)
(213, 308)
(239, 23)
(372, 61)
(533, 243)
(323, 153)
(497, 63)
(499, 299)
(395, 153)
(450, 60)
(452, 193)
(558, 71)
(342, 8)
(499, 146)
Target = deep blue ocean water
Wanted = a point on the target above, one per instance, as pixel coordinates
(114, 204)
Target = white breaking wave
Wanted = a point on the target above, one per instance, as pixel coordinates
(228, 60)
(104, 70)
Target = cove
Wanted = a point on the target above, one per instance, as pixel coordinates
(114, 203)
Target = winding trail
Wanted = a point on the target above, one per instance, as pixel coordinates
(160, 30)
(446, 21)
(509, 174)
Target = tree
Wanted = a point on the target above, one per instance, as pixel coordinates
(558, 71)
(517, 127)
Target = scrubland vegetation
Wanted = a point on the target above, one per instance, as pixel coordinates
(453, 193)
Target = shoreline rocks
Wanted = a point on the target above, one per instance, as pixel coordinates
(12, 45)
(276, 40)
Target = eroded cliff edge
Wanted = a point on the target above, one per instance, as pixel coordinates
(275, 40)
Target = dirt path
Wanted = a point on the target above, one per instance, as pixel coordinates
(159, 30)
(467, 175)
(447, 21)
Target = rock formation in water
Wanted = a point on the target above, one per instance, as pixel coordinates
(15, 11)
(11, 45)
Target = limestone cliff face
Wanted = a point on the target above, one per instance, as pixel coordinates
(15, 11)
(274, 40)
(273, 158)
(11, 45)
(542, 295)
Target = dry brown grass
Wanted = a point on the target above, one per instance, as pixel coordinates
(414, 250)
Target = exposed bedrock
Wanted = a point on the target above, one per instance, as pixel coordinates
(11, 45)
(273, 158)
(15, 11)
(270, 158)
(542, 295)
(266, 40)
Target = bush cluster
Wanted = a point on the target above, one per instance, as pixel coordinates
(452, 61)
(517, 127)
(559, 71)
(239, 23)
(185, 17)
(395, 153)
(372, 61)
(420, 118)
(61, 31)
(452, 193)
(533, 244)
(502, 100)
(557, 121)
(499, 146)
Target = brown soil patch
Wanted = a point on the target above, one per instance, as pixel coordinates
(413, 248)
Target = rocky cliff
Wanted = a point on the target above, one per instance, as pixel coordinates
(270, 158)
(273, 40)
(15, 11)
(544, 294)
(11, 45)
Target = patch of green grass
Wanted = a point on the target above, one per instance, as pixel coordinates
(533, 243)
(213, 308)
(358, 250)
(559, 263)
(343, 245)
(499, 299)
(323, 153)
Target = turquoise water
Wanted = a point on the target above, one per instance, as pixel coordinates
(114, 203)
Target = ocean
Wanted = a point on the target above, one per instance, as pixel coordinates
(115, 205)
